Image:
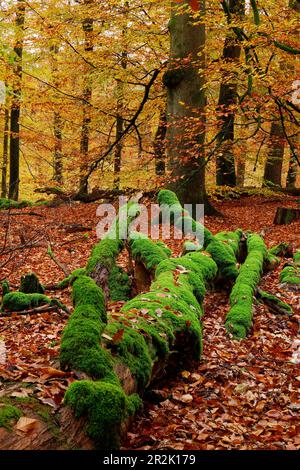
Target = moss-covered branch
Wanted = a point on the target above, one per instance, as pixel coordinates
(290, 275)
(239, 317)
(19, 301)
(222, 248)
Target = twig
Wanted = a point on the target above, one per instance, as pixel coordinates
(44, 308)
(62, 266)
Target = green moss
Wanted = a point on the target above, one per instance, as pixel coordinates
(147, 251)
(106, 406)
(9, 414)
(68, 281)
(119, 284)
(164, 247)
(222, 250)
(280, 249)
(290, 275)
(30, 284)
(275, 304)
(239, 317)
(86, 292)
(80, 343)
(18, 301)
(5, 287)
(10, 204)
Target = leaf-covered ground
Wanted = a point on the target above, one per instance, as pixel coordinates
(243, 395)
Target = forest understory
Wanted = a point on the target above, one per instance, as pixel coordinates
(242, 394)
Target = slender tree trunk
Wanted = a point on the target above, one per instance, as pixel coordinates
(58, 154)
(273, 168)
(5, 154)
(120, 105)
(291, 178)
(159, 145)
(88, 29)
(227, 101)
(14, 153)
(57, 126)
(186, 103)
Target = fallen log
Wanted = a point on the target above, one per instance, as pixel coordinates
(286, 215)
(136, 346)
(19, 301)
(239, 318)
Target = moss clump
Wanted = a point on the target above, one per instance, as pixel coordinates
(18, 301)
(5, 288)
(8, 414)
(231, 239)
(280, 249)
(239, 317)
(30, 284)
(106, 406)
(290, 275)
(119, 284)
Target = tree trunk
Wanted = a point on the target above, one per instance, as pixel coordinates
(286, 215)
(273, 168)
(14, 154)
(5, 154)
(88, 29)
(186, 102)
(159, 145)
(57, 125)
(226, 175)
(120, 105)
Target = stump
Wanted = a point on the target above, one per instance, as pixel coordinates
(286, 215)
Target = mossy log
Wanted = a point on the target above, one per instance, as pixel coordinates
(222, 248)
(124, 355)
(104, 254)
(147, 255)
(239, 317)
(286, 215)
(19, 301)
(274, 254)
(290, 275)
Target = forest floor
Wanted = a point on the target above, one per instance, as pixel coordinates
(242, 395)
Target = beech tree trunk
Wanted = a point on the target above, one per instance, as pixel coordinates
(14, 153)
(57, 126)
(5, 154)
(186, 102)
(88, 29)
(226, 175)
(273, 168)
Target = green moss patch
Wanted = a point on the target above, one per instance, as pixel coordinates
(8, 415)
(19, 301)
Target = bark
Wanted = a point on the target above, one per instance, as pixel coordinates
(273, 168)
(186, 102)
(226, 175)
(286, 215)
(57, 124)
(5, 154)
(160, 145)
(291, 178)
(88, 29)
(14, 154)
(120, 105)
